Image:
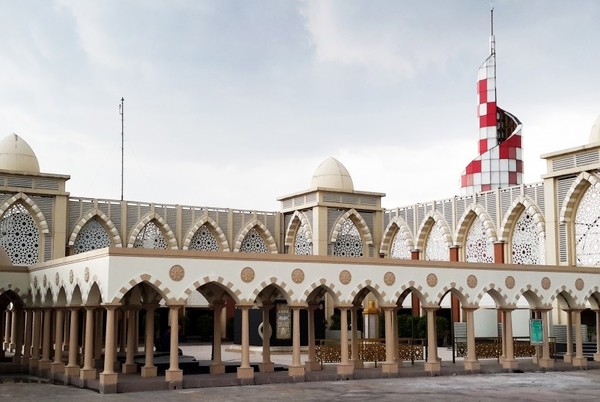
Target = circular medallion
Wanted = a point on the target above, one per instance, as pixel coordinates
(298, 275)
(57, 279)
(579, 284)
(432, 280)
(35, 282)
(389, 278)
(509, 282)
(471, 281)
(247, 274)
(71, 276)
(86, 274)
(345, 277)
(44, 281)
(546, 283)
(176, 273)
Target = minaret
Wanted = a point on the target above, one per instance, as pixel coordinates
(499, 163)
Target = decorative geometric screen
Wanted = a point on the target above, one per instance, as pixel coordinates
(20, 236)
(348, 243)
(92, 236)
(587, 228)
(399, 248)
(526, 244)
(436, 246)
(253, 243)
(479, 247)
(301, 244)
(204, 240)
(150, 237)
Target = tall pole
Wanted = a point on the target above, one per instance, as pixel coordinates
(121, 112)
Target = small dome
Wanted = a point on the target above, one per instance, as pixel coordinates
(332, 174)
(17, 155)
(595, 131)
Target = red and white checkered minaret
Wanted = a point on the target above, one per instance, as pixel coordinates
(499, 163)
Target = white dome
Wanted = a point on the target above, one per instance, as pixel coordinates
(17, 155)
(332, 174)
(595, 131)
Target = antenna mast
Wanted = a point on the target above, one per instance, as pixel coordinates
(122, 112)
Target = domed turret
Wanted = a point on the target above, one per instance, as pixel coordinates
(332, 174)
(595, 131)
(17, 155)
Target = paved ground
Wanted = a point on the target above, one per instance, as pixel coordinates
(551, 386)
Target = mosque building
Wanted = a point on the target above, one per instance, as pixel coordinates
(87, 285)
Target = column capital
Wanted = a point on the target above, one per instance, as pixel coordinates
(149, 306)
(297, 306)
(245, 306)
(431, 308)
(175, 305)
(542, 309)
(344, 306)
(111, 306)
(469, 308)
(507, 309)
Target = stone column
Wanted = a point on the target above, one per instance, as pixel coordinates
(88, 372)
(27, 341)
(597, 354)
(98, 359)
(266, 365)
(471, 362)
(344, 369)
(245, 372)
(568, 357)
(355, 359)
(395, 337)
(35, 344)
(108, 377)
(296, 369)
(579, 360)
(14, 320)
(44, 363)
(389, 368)
(545, 361)
(58, 366)
(502, 336)
(312, 364)
(509, 362)
(6, 344)
(433, 364)
(217, 366)
(149, 369)
(174, 374)
(17, 333)
(130, 367)
(72, 369)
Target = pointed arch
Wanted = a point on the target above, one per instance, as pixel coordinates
(215, 288)
(30, 206)
(262, 230)
(430, 220)
(104, 220)
(358, 221)
(213, 227)
(271, 287)
(584, 181)
(154, 283)
(397, 226)
(521, 204)
(467, 219)
(299, 226)
(162, 225)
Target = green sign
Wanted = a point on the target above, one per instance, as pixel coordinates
(536, 332)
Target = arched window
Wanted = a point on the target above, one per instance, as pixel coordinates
(348, 242)
(302, 246)
(204, 240)
(479, 247)
(92, 236)
(253, 243)
(150, 237)
(436, 246)
(399, 249)
(20, 236)
(526, 244)
(587, 228)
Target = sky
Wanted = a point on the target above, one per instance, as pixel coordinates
(232, 104)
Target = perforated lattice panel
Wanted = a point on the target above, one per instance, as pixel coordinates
(301, 244)
(399, 248)
(348, 242)
(150, 237)
(253, 243)
(527, 246)
(20, 236)
(204, 240)
(587, 228)
(436, 246)
(479, 247)
(92, 236)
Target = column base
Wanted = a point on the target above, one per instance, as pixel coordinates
(217, 368)
(433, 367)
(245, 373)
(346, 371)
(57, 368)
(149, 371)
(175, 375)
(312, 366)
(472, 366)
(87, 374)
(580, 362)
(546, 363)
(268, 367)
(108, 383)
(72, 371)
(597, 357)
(296, 371)
(33, 365)
(357, 363)
(389, 369)
(510, 364)
(43, 367)
(129, 368)
(568, 358)
(17, 359)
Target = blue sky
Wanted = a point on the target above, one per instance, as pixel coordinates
(234, 103)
